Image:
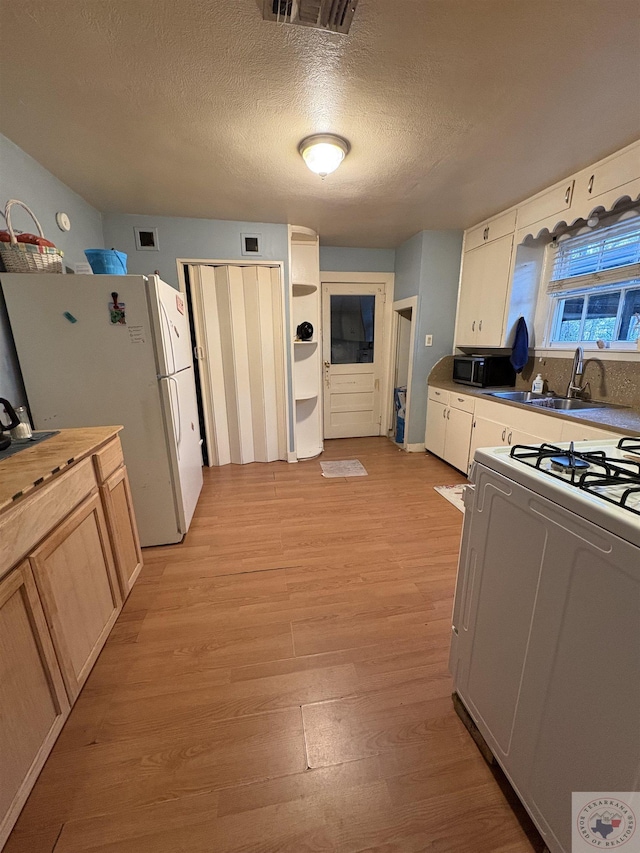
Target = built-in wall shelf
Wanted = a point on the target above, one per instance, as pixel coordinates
(300, 289)
(307, 369)
(302, 234)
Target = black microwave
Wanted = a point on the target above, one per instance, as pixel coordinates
(483, 371)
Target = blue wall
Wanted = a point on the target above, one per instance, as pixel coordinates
(341, 259)
(428, 266)
(203, 239)
(23, 178)
(408, 268)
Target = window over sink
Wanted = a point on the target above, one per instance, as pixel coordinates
(594, 287)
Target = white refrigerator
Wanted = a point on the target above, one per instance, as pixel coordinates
(100, 350)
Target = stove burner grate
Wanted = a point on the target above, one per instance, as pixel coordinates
(592, 483)
(620, 476)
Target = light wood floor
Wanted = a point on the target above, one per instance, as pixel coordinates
(278, 682)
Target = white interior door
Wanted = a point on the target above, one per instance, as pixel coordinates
(353, 356)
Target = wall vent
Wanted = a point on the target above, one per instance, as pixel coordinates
(333, 15)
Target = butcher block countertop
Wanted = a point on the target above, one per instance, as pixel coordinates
(23, 472)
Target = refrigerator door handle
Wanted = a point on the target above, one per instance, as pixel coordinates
(166, 319)
(179, 418)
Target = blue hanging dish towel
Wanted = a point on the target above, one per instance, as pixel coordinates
(520, 348)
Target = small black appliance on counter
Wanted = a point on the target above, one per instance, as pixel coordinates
(5, 405)
(483, 371)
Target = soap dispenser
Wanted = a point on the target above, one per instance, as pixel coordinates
(538, 384)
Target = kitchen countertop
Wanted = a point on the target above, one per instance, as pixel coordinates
(23, 472)
(621, 420)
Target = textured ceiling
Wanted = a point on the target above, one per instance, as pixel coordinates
(455, 109)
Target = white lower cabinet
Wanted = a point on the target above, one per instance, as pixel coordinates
(458, 438)
(448, 429)
(575, 431)
(436, 428)
(487, 433)
(458, 424)
(499, 425)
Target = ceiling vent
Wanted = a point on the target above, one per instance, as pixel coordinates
(333, 15)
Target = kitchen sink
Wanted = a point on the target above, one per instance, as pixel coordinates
(563, 404)
(518, 396)
(551, 401)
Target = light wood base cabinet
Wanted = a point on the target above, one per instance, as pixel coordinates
(69, 555)
(118, 506)
(33, 702)
(76, 578)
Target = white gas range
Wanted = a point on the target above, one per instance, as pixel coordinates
(545, 650)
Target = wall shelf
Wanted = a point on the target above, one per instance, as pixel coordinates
(301, 289)
(307, 370)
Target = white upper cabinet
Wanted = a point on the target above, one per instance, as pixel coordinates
(610, 174)
(499, 276)
(484, 286)
(551, 202)
(599, 185)
(492, 229)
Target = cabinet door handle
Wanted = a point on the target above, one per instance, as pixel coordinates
(590, 184)
(504, 432)
(480, 326)
(461, 399)
(444, 413)
(567, 195)
(509, 438)
(473, 326)
(448, 413)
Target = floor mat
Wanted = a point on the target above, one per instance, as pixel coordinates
(343, 468)
(453, 494)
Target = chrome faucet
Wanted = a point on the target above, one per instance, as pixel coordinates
(573, 389)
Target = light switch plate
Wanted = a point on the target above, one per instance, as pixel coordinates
(428, 340)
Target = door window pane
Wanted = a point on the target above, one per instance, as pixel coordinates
(602, 313)
(570, 319)
(352, 325)
(630, 325)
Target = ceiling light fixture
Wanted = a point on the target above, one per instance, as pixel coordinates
(323, 152)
